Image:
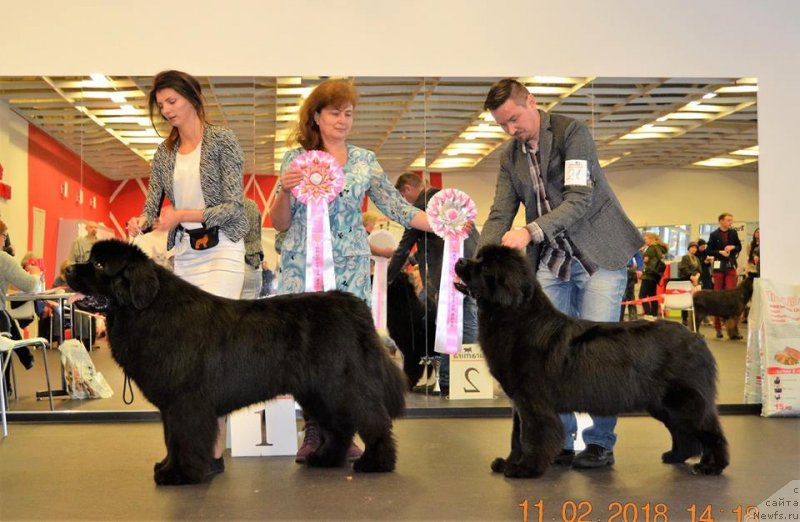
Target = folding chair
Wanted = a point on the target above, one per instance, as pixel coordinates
(678, 296)
(8, 345)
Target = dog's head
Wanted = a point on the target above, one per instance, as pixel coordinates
(117, 274)
(498, 275)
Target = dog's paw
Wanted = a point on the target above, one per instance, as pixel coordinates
(672, 457)
(324, 460)
(518, 471)
(499, 465)
(158, 465)
(706, 469)
(363, 465)
(171, 476)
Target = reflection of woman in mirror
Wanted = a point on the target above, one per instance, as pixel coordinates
(324, 122)
(199, 167)
(655, 250)
(754, 255)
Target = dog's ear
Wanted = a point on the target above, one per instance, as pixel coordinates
(137, 285)
(143, 281)
(510, 292)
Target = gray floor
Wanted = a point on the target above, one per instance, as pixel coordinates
(104, 472)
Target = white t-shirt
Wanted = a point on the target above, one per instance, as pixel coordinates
(187, 189)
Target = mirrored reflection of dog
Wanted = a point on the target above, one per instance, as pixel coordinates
(412, 325)
(196, 357)
(728, 305)
(549, 363)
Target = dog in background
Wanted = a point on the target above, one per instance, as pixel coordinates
(197, 357)
(728, 305)
(549, 363)
(412, 325)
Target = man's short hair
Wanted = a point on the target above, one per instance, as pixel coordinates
(408, 178)
(724, 215)
(502, 91)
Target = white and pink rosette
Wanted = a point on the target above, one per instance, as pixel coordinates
(383, 239)
(323, 179)
(450, 211)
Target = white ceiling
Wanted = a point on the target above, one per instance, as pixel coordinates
(433, 122)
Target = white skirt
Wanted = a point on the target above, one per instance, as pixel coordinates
(218, 270)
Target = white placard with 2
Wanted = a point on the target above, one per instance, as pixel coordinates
(469, 374)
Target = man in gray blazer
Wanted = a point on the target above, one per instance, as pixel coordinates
(577, 235)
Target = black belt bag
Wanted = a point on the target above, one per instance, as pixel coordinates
(203, 238)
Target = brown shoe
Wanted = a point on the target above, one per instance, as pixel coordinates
(311, 442)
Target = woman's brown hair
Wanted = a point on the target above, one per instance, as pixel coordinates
(330, 93)
(3, 228)
(184, 84)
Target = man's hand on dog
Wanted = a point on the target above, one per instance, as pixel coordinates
(517, 238)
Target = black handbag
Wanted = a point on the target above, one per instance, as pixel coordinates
(203, 238)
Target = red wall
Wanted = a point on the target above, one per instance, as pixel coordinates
(50, 164)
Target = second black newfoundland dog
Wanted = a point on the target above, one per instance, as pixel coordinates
(196, 357)
(549, 363)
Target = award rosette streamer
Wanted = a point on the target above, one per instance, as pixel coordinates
(323, 179)
(449, 212)
(380, 238)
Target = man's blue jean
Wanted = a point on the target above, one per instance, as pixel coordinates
(595, 298)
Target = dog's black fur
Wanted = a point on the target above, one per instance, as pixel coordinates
(728, 305)
(197, 357)
(411, 324)
(549, 363)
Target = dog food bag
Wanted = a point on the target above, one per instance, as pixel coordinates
(752, 369)
(779, 348)
(83, 381)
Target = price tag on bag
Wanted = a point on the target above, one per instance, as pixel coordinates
(264, 429)
(469, 374)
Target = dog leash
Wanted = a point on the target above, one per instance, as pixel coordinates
(126, 387)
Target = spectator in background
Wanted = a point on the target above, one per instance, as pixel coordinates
(11, 273)
(267, 279)
(82, 246)
(653, 257)
(754, 255)
(706, 282)
(254, 253)
(724, 246)
(689, 270)
(635, 267)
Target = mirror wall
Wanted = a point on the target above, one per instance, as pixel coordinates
(677, 151)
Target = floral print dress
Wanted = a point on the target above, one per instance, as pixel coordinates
(351, 256)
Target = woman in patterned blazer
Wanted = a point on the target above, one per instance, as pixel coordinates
(325, 121)
(199, 168)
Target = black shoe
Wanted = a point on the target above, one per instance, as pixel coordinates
(736, 337)
(593, 456)
(565, 458)
(217, 467)
(719, 334)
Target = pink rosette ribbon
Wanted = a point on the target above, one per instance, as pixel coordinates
(323, 179)
(449, 212)
(380, 238)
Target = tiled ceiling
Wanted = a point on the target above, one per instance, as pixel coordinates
(411, 123)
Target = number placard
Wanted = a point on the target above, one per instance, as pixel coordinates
(264, 429)
(469, 374)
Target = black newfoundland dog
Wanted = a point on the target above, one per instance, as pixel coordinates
(549, 363)
(728, 305)
(197, 357)
(412, 325)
